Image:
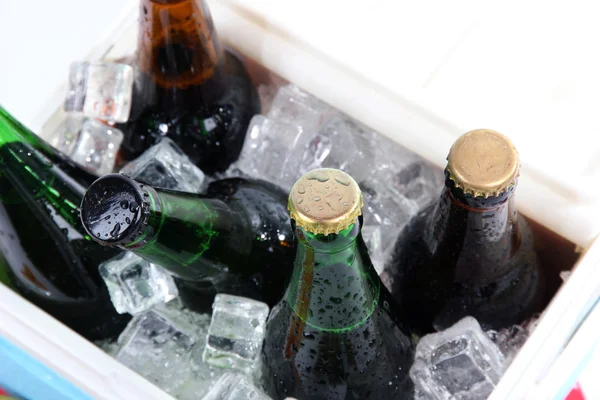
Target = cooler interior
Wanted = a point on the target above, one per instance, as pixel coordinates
(556, 254)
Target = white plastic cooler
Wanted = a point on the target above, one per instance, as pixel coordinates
(465, 72)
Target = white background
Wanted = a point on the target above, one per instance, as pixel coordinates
(38, 41)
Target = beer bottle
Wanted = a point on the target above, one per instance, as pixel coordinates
(334, 334)
(471, 253)
(187, 87)
(235, 238)
(47, 256)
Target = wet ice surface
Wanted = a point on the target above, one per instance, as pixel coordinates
(158, 345)
(166, 345)
(460, 362)
(166, 166)
(90, 143)
(510, 339)
(233, 386)
(135, 285)
(300, 133)
(292, 105)
(100, 90)
(236, 332)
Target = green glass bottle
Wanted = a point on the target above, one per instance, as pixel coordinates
(471, 253)
(48, 258)
(58, 159)
(335, 333)
(235, 238)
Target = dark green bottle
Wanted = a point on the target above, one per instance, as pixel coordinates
(335, 334)
(471, 253)
(48, 257)
(235, 238)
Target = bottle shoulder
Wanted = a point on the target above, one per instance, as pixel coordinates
(208, 121)
(261, 201)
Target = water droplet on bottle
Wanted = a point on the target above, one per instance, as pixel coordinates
(127, 220)
(308, 335)
(116, 230)
(107, 218)
(300, 200)
(301, 189)
(124, 204)
(133, 207)
(306, 208)
(316, 198)
(345, 204)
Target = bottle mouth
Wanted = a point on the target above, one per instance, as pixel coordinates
(112, 210)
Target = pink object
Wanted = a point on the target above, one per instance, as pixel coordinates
(575, 393)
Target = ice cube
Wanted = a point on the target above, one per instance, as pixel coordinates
(292, 105)
(165, 165)
(158, 345)
(135, 284)
(199, 380)
(355, 147)
(90, 143)
(268, 146)
(232, 386)
(460, 362)
(236, 332)
(419, 181)
(67, 134)
(108, 346)
(266, 94)
(100, 90)
(510, 339)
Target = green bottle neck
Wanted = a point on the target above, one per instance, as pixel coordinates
(334, 286)
(14, 131)
(28, 174)
(193, 236)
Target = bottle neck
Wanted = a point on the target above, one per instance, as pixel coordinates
(13, 131)
(194, 237)
(334, 286)
(479, 236)
(177, 43)
(28, 174)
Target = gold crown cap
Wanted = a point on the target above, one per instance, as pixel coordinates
(483, 163)
(325, 201)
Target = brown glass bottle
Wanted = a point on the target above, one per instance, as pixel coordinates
(187, 87)
(471, 253)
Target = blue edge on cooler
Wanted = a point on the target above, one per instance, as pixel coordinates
(24, 376)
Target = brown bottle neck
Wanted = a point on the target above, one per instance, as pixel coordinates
(480, 237)
(177, 43)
